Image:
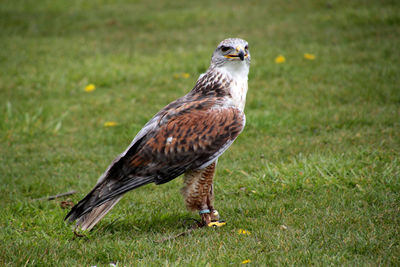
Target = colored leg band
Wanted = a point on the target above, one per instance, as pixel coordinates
(204, 211)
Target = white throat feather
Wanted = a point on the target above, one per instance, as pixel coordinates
(237, 72)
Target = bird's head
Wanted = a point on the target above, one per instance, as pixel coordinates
(232, 52)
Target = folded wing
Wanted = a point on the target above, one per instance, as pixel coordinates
(187, 137)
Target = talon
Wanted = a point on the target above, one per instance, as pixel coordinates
(214, 216)
(216, 224)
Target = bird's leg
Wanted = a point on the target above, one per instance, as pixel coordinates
(199, 194)
(208, 195)
(205, 215)
(210, 199)
(214, 215)
(211, 218)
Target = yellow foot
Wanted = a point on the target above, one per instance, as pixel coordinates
(216, 224)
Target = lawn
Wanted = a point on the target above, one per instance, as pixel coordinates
(314, 179)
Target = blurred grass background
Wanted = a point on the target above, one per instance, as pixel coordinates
(314, 177)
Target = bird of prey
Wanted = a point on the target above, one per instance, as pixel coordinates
(185, 137)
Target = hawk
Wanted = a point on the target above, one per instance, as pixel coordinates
(185, 137)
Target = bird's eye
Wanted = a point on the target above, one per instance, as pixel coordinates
(224, 48)
(246, 47)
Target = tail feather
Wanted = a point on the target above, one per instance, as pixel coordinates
(90, 219)
(92, 208)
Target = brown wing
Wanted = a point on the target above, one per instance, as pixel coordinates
(186, 141)
(187, 138)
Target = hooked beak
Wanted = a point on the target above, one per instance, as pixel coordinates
(240, 53)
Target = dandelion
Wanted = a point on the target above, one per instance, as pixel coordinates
(243, 232)
(246, 261)
(309, 56)
(183, 75)
(110, 124)
(280, 59)
(90, 87)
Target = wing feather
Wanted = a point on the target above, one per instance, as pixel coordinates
(184, 139)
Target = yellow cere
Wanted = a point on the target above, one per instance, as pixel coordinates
(243, 232)
(90, 87)
(110, 124)
(280, 59)
(238, 48)
(246, 261)
(309, 56)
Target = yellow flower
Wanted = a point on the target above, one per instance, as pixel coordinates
(243, 232)
(183, 75)
(246, 261)
(110, 124)
(309, 56)
(90, 87)
(280, 59)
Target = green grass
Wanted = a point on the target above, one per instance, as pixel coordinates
(315, 176)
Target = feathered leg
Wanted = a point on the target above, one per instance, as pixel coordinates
(199, 194)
